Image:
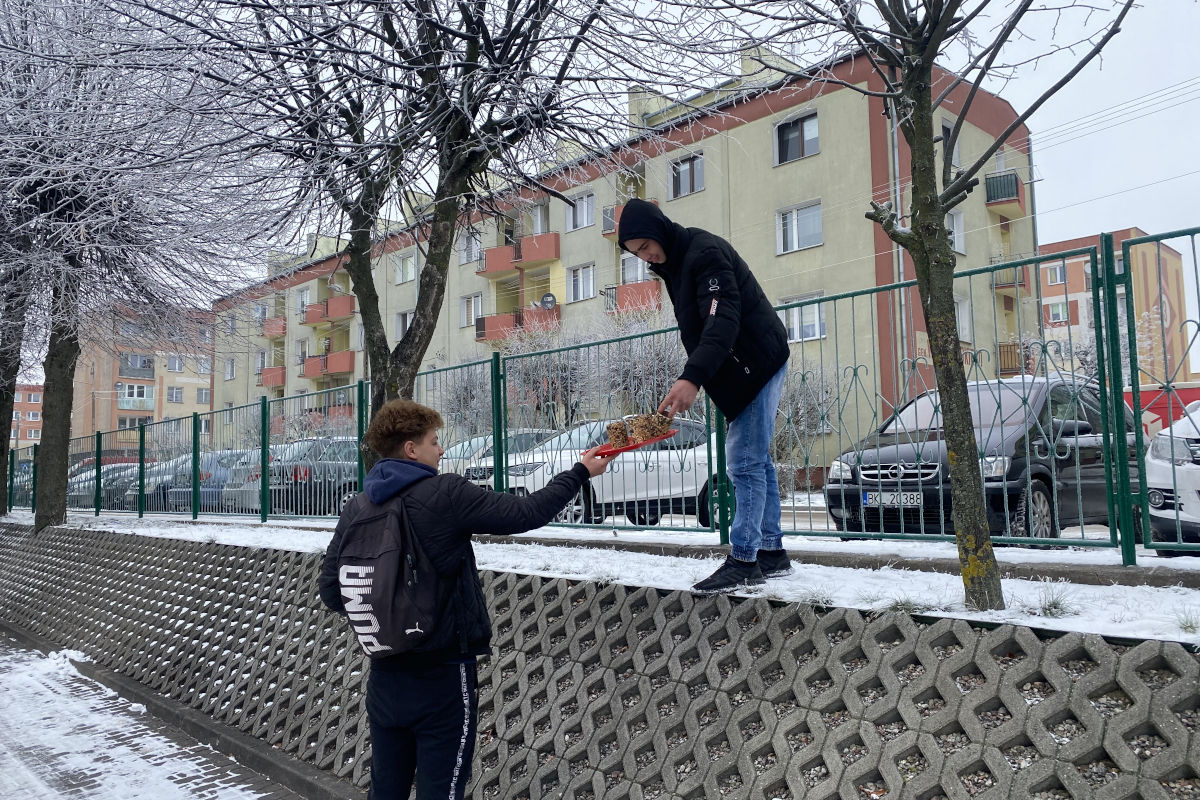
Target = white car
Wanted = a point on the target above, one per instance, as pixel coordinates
(457, 457)
(1173, 481)
(518, 442)
(668, 477)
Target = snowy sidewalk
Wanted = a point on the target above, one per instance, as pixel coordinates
(64, 736)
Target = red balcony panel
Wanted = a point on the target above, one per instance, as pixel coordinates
(541, 318)
(314, 314)
(499, 261)
(312, 367)
(272, 376)
(496, 326)
(274, 326)
(539, 249)
(641, 296)
(339, 306)
(339, 362)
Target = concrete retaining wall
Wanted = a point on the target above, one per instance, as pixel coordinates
(617, 692)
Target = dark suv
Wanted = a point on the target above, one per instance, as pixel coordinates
(314, 476)
(1042, 463)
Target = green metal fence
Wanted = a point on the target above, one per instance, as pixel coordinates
(1051, 347)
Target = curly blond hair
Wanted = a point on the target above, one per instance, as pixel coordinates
(398, 422)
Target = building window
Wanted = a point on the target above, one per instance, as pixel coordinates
(580, 284)
(406, 268)
(470, 308)
(33, 416)
(204, 397)
(796, 138)
(633, 269)
(204, 365)
(36, 433)
(1057, 312)
(174, 363)
(174, 394)
(403, 320)
(260, 361)
(128, 423)
(302, 296)
(35, 397)
(362, 336)
(231, 324)
(260, 313)
(540, 218)
(230, 369)
(205, 426)
(472, 246)
(17, 397)
(1056, 274)
(798, 227)
(582, 213)
(962, 316)
(130, 329)
(803, 323)
(16, 415)
(687, 175)
(301, 350)
(947, 129)
(138, 391)
(958, 233)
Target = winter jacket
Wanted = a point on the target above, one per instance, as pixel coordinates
(734, 339)
(444, 511)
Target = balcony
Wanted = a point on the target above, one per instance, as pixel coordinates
(127, 370)
(501, 326)
(271, 376)
(1008, 359)
(335, 363)
(1005, 193)
(526, 253)
(135, 403)
(640, 296)
(1011, 282)
(274, 327)
(335, 308)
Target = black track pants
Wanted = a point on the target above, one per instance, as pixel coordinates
(423, 724)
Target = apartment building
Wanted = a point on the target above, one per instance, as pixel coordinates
(786, 175)
(132, 376)
(27, 416)
(1159, 305)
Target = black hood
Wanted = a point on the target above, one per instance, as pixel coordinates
(643, 220)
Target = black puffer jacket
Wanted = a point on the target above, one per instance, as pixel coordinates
(445, 510)
(734, 339)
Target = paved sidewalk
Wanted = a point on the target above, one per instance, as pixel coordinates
(65, 736)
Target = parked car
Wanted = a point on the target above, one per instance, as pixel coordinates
(157, 485)
(516, 442)
(667, 477)
(457, 457)
(1043, 462)
(243, 490)
(1173, 482)
(114, 481)
(214, 471)
(315, 476)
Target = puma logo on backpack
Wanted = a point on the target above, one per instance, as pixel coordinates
(393, 595)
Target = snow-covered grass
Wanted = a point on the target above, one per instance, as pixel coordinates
(1128, 611)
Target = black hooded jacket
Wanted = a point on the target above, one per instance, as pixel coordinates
(734, 339)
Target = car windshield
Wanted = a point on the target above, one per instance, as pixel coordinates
(520, 442)
(578, 438)
(992, 405)
(295, 451)
(466, 447)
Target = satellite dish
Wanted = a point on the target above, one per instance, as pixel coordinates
(549, 301)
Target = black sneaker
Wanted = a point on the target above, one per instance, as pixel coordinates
(730, 576)
(774, 563)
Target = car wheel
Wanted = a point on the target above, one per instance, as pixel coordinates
(1035, 513)
(579, 509)
(343, 499)
(704, 506)
(645, 514)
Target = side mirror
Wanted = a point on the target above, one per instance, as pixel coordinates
(1071, 427)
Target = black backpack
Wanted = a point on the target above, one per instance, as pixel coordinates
(393, 596)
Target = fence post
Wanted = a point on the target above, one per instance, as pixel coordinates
(362, 431)
(141, 509)
(722, 479)
(1117, 382)
(195, 464)
(12, 468)
(264, 458)
(499, 465)
(99, 450)
(33, 497)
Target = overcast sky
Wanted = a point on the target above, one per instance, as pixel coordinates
(1117, 147)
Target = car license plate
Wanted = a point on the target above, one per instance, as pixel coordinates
(891, 499)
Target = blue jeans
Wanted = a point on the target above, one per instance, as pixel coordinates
(756, 520)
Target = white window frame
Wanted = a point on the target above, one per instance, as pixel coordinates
(174, 394)
(581, 283)
(301, 350)
(958, 231)
(260, 362)
(800, 121)
(35, 433)
(632, 265)
(470, 308)
(406, 267)
(137, 391)
(947, 129)
(33, 416)
(203, 365)
(230, 369)
(174, 363)
(205, 425)
(687, 175)
(231, 324)
(302, 298)
(785, 224)
(362, 336)
(403, 323)
(17, 397)
(583, 213)
(795, 320)
(203, 396)
(1066, 312)
(962, 316)
(34, 397)
(470, 246)
(540, 218)
(1058, 271)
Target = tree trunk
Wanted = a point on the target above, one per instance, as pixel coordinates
(934, 261)
(57, 400)
(12, 338)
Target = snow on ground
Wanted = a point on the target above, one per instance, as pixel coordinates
(1135, 612)
(64, 736)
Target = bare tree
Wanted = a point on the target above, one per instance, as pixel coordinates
(639, 367)
(918, 56)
